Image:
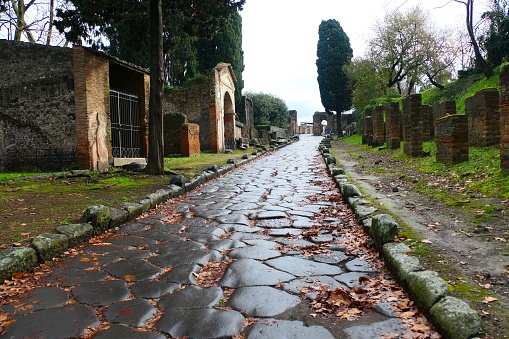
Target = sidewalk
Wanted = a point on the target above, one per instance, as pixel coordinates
(274, 235)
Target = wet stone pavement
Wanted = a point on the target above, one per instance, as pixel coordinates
(143, 274)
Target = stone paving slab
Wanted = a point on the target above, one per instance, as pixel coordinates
(262, 301)
(271, 329)
(302, 267)
(249, 272)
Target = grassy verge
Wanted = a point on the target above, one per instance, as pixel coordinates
(31, 206)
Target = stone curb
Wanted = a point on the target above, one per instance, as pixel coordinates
(98, 219)
(452, 317)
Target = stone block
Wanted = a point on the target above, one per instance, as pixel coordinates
(158, 197)
(76, 233)
(49, 245)
(134, 209)
(426, 288)
(383, 230)
(349, 190)
(118, 217)
(401, 265)
(98, 216)
(15, 260)
(145, 204)
(455, 319)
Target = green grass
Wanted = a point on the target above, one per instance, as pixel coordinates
(191, 166)
(6, 176)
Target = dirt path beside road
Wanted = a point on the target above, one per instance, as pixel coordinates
(475, 264)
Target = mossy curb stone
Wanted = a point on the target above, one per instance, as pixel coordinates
(399, 262)
(16, 259)
(49, 245)
(455, 319)
(99, 217)
(426, 288)
(76, 233)
(118, 217)
(383, 230)
(134, 209)
(349, 190)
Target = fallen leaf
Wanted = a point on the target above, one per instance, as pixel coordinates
(85, 259)
(421, 328)
(129, 278)
(426, 241)
(488, 300)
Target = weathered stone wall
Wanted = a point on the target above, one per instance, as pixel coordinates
(190, 140)
(504, 119)
(194, 102)
(331, 126)
(172, 124)
(292, 123)
(36, 94)
(378, 126)
(442, 109)
(452, 138)
(393, 138)
(482, 110)
(412, 125)
(271, 132)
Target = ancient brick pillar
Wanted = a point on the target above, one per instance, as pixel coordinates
(378, 126)
(393, 126)
(451, 137)
(190, 140)
(412, 125)
(367, 137)
(504, 119)
(442, 109)
(482, 110)
(427, 122)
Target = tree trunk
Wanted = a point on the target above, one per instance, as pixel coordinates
(479, 60)
(50, 28)
(155, 164)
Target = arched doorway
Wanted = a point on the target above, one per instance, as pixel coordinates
(229, 121)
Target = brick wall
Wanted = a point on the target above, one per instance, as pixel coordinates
(378, 126)
(190, 140)
(36, 94)
(393, 126)
(452, 139)
(194, 102)
(504, 119)
(172, 124)
(482, 110)
(412, 125)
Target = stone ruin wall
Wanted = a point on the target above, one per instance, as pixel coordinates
(36, 101)
(412, 125)
(482, 110)
(172, 124)
(378, 126)
(393, 137)
(246, 116)
(195, 102)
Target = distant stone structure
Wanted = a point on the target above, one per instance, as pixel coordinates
(293, 127)
(482, 110)
(442, 109)
(306, 128)
(427, 123)
(331, 126)
(246, 117)
(367, 137)
(172, 123)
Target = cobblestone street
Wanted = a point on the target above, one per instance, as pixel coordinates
(271, 225)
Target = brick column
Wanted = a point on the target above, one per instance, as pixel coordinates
(504, 119)
(393, 124)
(427, 122)
(367, 138)
(441, 110)
(190, 140)
(412, 125)
(378, 126)
(452, 138)
(482, 110)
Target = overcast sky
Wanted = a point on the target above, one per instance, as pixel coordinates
(280, 39)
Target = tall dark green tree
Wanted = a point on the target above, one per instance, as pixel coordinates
(496, 39)
(224, 46)
(333, 54)
(94, 20)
